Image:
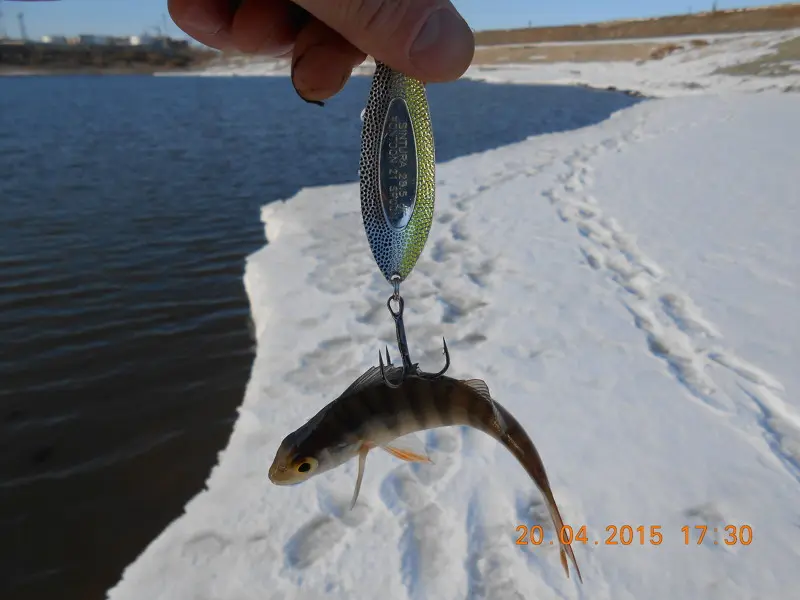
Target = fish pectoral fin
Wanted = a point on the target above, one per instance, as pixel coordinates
(409, 448)
(362, 460)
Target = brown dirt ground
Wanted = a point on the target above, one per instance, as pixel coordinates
(494, 47)
(600, 52)
(785, 16)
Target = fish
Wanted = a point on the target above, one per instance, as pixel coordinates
(397, 171)
(369, 415)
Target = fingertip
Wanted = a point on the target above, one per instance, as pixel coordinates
(425, 39)
(318, 74)
(443, 47)
(205, 17)
(323, 62)
(207, 21)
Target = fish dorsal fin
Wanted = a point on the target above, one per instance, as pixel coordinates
(479, 385)
(370, 377)
(409, 448)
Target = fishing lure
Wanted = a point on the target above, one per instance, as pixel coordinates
(397, 175)
(397, 171)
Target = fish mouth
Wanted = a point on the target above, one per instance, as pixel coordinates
(280, 476)
(279, 481)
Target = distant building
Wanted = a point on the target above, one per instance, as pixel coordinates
(92, 40)
(58, 40)
(120, 40)
(144, 40)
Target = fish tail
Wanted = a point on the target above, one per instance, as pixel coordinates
(517, 441)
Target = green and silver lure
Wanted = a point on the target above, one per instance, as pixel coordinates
(398, 180)
(397, 171)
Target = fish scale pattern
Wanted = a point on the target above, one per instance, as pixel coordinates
(396, 250)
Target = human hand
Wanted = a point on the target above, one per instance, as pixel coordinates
(326, 39)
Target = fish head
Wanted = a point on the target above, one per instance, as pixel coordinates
(289, 468)
(299, 458)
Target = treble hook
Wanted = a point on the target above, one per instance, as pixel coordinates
(402, 345)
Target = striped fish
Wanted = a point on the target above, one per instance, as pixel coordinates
(369, 414)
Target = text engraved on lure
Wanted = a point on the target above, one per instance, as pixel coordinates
(398, 165)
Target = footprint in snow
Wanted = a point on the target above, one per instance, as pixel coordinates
(324, 533)
(202, 548)
(411, 485)
(444, 217)
(702, 520)
(495, 564)
(429, 542)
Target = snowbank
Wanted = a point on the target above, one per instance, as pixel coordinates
(689, 70)
(628, 290)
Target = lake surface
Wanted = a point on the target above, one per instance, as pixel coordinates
(127, 208)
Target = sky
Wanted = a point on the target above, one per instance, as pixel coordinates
(132, 17)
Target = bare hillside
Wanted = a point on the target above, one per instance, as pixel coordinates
(785, 16)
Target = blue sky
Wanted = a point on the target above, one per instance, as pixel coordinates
(119, 17)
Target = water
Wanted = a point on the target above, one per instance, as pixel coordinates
(127, 208)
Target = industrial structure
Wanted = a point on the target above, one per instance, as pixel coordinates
(23, 33)
(157, 39)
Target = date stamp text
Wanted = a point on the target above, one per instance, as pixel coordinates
(638, 535)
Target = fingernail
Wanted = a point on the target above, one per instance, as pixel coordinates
(292, 76)
(444, 44)
(321, 72)
(197, 16)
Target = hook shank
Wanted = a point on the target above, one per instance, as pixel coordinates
(408, 367)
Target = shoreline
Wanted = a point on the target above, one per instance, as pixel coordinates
(8, 72)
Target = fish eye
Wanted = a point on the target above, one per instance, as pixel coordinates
(305, 465)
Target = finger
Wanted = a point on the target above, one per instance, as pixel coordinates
(425, 39)
(265, 26)
(322, 62)
(207, 21)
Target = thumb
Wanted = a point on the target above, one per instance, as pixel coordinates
(424, 39)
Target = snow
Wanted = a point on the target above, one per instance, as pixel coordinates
(690, 70)
(666, 39)
(628, 290)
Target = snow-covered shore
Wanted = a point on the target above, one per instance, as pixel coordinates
(691, 70)
(630, 291)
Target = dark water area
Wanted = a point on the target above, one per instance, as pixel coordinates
(127, 208)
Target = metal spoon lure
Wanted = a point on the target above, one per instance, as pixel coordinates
(398, 180)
